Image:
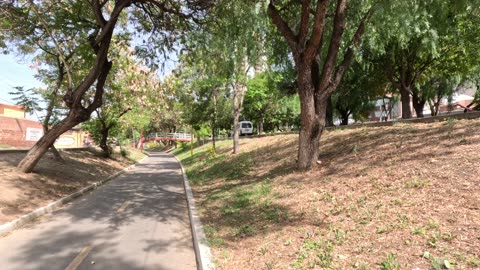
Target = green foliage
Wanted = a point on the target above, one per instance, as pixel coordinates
(356, 95)
(211, 153)
(124, 152)
(213, 238)
(27, 98)
(426, 47)
(265, 102)
(314, 253)
(184, 145)
(390, 263)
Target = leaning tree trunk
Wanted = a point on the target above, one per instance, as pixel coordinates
(51, 105)
(41, 147)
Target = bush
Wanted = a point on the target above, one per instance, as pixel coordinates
(185, 145)
(124, 152)
(151, 145)
(211, 153)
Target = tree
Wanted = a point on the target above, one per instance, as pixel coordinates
(161, 17)
(205, 98)
(317, 83)
(30, 100)
(261, 97)
(432, 37)
(231, 47)
(355, 96)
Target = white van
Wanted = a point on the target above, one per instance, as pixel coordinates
(246, 128)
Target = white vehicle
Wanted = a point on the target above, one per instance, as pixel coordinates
(246, 128)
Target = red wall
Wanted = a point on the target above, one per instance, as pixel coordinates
(13, 131)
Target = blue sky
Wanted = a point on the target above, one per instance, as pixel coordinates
(15, 72)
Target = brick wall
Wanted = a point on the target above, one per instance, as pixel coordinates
(13, 131)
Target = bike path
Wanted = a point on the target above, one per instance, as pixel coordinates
(137, 221)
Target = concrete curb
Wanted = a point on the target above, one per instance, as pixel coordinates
(25, 150)
(19, 222)
(200, 244)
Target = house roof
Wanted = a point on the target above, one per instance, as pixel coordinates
(11, 106)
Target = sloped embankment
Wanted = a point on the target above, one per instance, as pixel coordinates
(399, 197)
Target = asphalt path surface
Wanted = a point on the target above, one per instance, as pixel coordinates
(137, 221)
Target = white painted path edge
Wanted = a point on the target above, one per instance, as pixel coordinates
(200, 244)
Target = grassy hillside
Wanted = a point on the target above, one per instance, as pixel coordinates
(399, 197)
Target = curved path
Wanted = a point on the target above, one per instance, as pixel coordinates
(137, 221)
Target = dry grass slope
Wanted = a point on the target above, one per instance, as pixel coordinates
(399, 197)
(21, 193)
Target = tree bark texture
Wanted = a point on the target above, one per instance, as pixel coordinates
(329, 113)
(104, 143)
(41, 147)
(238, 95)
(418, 102)
(418, 105)
(406, 101)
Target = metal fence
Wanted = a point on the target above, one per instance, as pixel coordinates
(170, 136)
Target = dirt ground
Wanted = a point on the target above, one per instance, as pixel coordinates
(399, 197)
(21, 193)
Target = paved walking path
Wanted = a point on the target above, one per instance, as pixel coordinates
(137, 221)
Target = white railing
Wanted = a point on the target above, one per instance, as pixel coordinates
(170, 136)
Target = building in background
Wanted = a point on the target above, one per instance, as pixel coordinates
(18, 132)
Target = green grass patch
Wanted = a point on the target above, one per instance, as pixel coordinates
(314, 254)
(390, 263)
(212, 236)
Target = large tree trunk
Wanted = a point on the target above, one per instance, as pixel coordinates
(405, 99)
(77, 115)
(312, 120)
(315, 86)
(309, 139)
(344, 115)
(329, 113)
(418, 105)
(41, 147)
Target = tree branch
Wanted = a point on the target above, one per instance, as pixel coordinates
(318, 28)
(304, 22)
(283, 27)
(119, 6)
(348, 58)
(99, 89)
(338, 28)
(57, 45)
